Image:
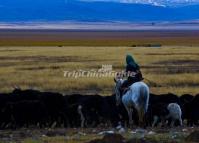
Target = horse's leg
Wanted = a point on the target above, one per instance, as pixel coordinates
(141, 119)
(180, 120)
(130, 117)
(129, 110)
(172, 123)
(141, 116)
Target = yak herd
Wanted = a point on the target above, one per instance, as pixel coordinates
(33, 108)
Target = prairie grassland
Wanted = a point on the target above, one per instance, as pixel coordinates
(166, 69)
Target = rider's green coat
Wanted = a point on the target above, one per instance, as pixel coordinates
(131, 64)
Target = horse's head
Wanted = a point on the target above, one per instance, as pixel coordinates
(118, 91)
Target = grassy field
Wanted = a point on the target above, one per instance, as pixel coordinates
(166, 69)
(158, 135)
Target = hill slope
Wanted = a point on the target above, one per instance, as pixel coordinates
(61, 10)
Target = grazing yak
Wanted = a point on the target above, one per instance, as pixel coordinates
(56, 107)
(175, 113)
(159, 108)
(191, 111)
(28, 94)
(113, 113)
(4, 99)
(156, 113)
(25, 113)
(161, 112)
(26, 108)
(164, 98)
(184, 100)
(94, 110)
(54, 104)
(89, 110)
(74, 119)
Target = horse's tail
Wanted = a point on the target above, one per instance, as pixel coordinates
(143, 102)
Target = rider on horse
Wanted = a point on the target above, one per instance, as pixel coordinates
(133, 72)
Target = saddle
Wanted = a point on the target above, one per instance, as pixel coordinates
(137, 77)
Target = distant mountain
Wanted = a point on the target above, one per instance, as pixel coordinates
(72, 10)
(164, 3)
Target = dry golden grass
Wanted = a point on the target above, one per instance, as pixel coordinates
(168, 69)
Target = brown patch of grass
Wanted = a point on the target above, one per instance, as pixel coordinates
(61, 38)
(179, 62)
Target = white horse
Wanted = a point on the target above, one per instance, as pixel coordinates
(136, 97)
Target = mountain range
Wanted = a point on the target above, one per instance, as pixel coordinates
(98, 10)
(164, 3)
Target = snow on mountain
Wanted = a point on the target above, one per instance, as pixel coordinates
(170, 3)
